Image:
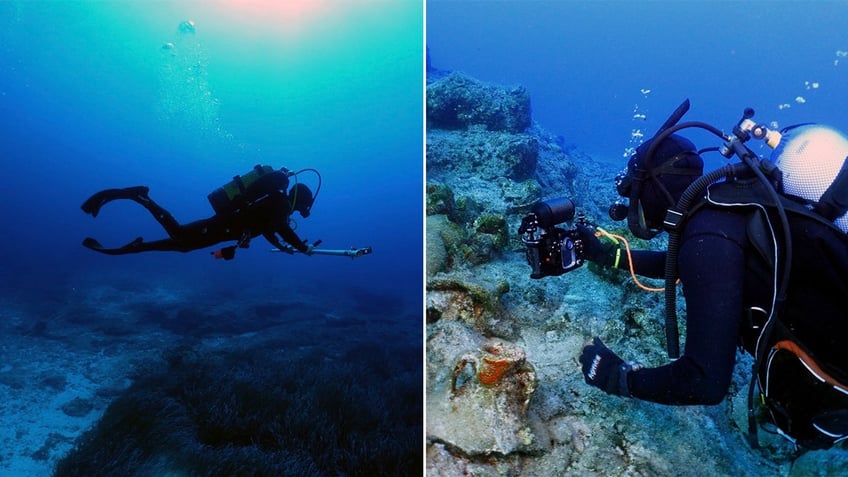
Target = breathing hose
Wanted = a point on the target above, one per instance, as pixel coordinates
(694, 191)
(672, 335)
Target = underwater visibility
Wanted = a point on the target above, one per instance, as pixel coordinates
(198, 280)
(636, 261)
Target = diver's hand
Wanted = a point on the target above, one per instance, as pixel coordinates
(310, 248)
(604, 369)
(227, 253)
(593, 249)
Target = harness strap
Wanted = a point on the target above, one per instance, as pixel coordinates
(810, 364)
(239, 183)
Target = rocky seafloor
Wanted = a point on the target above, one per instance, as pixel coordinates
(504, 394)
(125, 374)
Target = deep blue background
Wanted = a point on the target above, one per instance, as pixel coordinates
(91, 98)
(585, 63)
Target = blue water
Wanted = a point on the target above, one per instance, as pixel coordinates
(180, 97)
(91, 97)
(586, 64)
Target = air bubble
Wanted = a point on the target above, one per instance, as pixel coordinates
(187, 26)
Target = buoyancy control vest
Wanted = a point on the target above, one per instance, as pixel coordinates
(803, 379)
(246, 189)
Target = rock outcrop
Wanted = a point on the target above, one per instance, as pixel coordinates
(458, 102)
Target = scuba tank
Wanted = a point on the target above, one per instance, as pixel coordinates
(247, 188)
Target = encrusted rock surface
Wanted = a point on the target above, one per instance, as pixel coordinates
(458, 101)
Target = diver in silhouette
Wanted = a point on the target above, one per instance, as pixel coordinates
(251, 205)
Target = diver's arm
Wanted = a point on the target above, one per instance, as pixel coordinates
(712, 269)
(612, 253)
(290, 237)
(279, 209)
(276, 243)
(647, 263)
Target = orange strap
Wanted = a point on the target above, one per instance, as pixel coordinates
(810, 364)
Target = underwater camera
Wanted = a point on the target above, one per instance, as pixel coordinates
(552, 250)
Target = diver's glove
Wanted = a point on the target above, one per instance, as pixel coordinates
(227, 253)
(310, 247)
(605, 370)
(605, 254)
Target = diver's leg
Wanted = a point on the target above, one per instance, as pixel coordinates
(168, 222)
(137, 194)
(94, 203)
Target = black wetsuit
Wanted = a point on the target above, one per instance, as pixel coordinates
(720, 278)
(268, 216)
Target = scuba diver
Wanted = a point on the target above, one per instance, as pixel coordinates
(731, 236)
(250, 205)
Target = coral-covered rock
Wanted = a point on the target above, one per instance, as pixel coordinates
(437, 253)
(440, 199)
(458, 101)
(481, 153)
(77, 407)
(455, 299)
(820, 463)
(489, 237)
(444, 241)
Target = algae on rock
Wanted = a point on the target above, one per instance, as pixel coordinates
(476, 305)
(458, 101)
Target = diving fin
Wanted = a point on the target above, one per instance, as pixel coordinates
(92, 244)
(95, 202)
(128, 248)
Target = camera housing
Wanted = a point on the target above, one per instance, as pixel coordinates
(551, 250)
